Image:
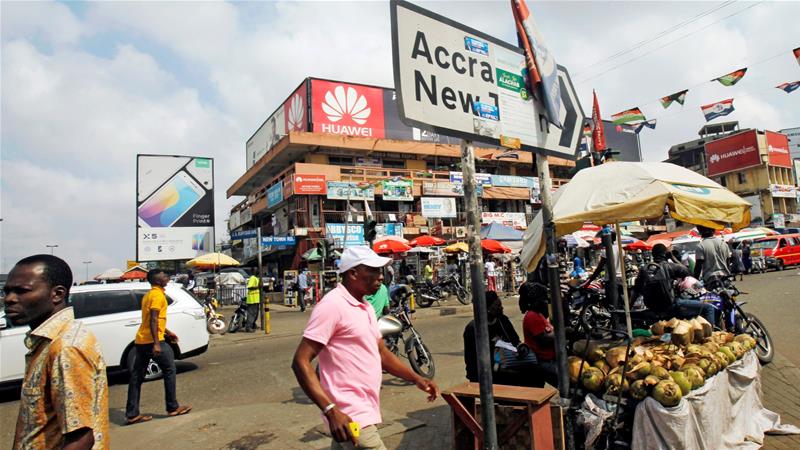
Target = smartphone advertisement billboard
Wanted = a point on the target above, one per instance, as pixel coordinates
(174, 207)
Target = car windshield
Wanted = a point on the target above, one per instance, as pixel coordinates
(769, 243)
(686, 247)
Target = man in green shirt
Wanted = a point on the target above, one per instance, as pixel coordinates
(253, 299)
(379, 301)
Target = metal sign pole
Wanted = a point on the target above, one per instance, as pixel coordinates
(554, 282)
(478, 296)
(260, 283)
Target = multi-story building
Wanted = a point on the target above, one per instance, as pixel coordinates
(794, 141)
(754, 164)
(333, 146)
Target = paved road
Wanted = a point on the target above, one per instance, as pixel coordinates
(245, 395)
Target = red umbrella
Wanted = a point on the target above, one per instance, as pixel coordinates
(639, 245)
(389, 246)
(135, 273)
(426, 241)
(492, 246)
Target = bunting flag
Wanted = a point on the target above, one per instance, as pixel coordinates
(797, 54)
(731, 78)
(648, 123)
(719, 109)
(789, 87)
(598, 135)
(543, 59)
(679, 97)
(631, 115)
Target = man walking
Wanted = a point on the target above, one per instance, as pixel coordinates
(252, 301)
(302, 288)
(491, 275)
(150, 344)
(343, 333)
(64, 399)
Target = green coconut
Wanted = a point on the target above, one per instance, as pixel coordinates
(700, 371)
(668, 393)
(704, 364)
(574, 368)
(728, 354)
(660, 372)
(602, 365)
(682, 381)
(614, 383)
(638, 371)
(638, 390)
(695, 377)
(592, 379)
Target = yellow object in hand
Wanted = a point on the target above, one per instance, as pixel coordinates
(355, 430)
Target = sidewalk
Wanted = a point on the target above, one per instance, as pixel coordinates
(780, 384)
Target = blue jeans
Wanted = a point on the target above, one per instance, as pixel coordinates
(166, 361)
(687, 308)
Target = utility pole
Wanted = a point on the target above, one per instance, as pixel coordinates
(478, 296)
(87, 268)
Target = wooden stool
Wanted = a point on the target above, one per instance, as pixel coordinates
(468, 433)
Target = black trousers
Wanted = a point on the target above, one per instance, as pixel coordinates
(252, 316)
(166, 361)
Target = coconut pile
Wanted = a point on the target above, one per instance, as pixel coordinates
(666, 369)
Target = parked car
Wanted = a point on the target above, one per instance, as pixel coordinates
(788, 230)
(113, 313)
(780, 251)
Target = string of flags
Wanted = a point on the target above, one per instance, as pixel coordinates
(637, 120)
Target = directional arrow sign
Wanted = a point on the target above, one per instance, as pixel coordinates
(244, 234)
(457, 81)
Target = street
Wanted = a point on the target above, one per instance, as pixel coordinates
(245, 396)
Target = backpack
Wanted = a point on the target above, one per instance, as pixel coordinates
(656, 286)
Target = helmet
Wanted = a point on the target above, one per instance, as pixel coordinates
(410, 279)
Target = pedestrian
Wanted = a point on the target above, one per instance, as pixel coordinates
(711, 258)
(302, 288)
(537, 330)
(343, 333)
(252, 301)
(190, 283)
(747, 257)
(153, 342)
(428, 272)
(379, 301)
(64, 397)
(737, 264)
(390, 274)
(491, 275)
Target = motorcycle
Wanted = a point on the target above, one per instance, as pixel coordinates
(451, 285)
(214, 321)
(396, 329)
(425, 293)
(239, 317)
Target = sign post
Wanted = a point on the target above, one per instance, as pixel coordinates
(260, 282)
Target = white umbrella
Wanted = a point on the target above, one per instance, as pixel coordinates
(110, 274)
(421, 250)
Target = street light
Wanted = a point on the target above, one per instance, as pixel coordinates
(51, 247)
(87, 269)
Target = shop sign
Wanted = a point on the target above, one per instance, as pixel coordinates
(338, 190)
(368, 161)
(778, 150)
(277, 241)
(275, 194)
(355, 234)
(482, 179)
(388, 229)
(514, 181)
(778, 221)
(438, 207)
(783, 190)
(398, 190)
(516, 220)
(348, 109)
(306, 184)
(442, 188)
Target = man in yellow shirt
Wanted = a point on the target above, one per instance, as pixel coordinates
(252, 301)
(150, 344)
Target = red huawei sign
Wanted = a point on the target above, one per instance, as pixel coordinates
(731, 153)
(294, 110)
(778, 148)
(349, 109)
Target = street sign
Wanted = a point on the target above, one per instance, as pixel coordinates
(457, 81)
(244, 234)
(273, 241)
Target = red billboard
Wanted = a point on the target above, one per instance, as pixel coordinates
(349, 109)
(294, 110)
(778, 149)
(732, 153)
(305, 184)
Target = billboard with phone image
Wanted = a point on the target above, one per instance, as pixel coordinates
(174, 207)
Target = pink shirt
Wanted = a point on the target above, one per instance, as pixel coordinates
(350, 364)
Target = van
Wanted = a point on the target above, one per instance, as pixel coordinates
(780, 251)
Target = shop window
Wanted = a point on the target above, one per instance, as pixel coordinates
(394, 164)
(723, 180)
(340, 160)
(741, 177)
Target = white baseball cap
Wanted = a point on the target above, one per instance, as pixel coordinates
(355, 256)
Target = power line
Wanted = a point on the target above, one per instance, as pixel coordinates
(666, 45)
(653, 38)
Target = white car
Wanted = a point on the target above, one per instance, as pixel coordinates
(113, 313)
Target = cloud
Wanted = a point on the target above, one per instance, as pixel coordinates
(51, 24)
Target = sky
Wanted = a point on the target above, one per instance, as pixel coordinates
(87, 86)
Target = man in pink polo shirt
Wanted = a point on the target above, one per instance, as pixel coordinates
(343, 332)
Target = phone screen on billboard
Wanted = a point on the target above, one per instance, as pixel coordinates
(171, 201)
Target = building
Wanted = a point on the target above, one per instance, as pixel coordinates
(331, 140)
(752, 163)
(794, 141)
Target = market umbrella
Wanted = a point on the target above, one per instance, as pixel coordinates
(492, 246)
(392, 237)
(135, 273)
(665, 242)
(426, 241)
(212, 260)
(420, 250)
(749, 233)
(639, 245)
(457, 247)
(389, 246)
(575, 240)
(110, 274)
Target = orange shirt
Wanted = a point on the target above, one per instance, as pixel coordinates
(65, 387)
(154, 300)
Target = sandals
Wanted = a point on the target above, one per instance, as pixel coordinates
(180, 411)
(138, 419)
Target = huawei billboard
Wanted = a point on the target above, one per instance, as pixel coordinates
(732, 153)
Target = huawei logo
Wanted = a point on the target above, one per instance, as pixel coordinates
(296, 110)
(714, 158)
(339, 104)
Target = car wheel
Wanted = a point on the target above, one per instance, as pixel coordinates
(153, 371)
(780, 265)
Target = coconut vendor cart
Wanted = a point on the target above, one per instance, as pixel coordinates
(678, 384)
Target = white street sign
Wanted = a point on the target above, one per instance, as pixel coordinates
(457, 81)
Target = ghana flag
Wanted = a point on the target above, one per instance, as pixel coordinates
(631, 115)
(797, 54)
(789, 87)
(731, 78)
(679, 97)
(718, 109)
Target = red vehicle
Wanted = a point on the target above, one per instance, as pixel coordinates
(780, 251)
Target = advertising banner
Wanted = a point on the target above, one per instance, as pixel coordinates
(275, 194)
(778, 149)
(796, 163)
(368, 161)
(338, 190)
(349, 109)
(294, 109)
(442, 188)
(398, 190)
(756, 215)
(482, 179)
(515, 181)
(305, 184)
(289, 116)
(234, 221)
(355, 234)
(778, 221)
(783, 190)
(388, 229)
(174, 207)
(438, 207)
(732, 153)
(516, 220)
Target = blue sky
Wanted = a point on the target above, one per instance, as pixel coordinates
(87, 86)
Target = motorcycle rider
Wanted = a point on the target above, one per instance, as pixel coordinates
(712, 257)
